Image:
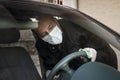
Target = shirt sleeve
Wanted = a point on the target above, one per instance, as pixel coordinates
(105, 53)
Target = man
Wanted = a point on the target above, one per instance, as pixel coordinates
(60, 38)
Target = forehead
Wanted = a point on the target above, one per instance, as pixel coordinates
(46, 18)
(45, 21)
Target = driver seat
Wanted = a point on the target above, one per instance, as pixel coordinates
(15, 62)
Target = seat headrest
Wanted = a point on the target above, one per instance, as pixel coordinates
(9, 36)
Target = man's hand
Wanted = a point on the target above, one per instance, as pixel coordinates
(90, 52)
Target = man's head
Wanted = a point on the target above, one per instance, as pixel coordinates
(49, 30)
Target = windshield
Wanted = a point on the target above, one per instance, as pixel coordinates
(17, 14)
(23, 12)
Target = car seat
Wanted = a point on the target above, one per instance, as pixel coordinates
(15, 62)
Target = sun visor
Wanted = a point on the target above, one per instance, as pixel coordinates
(27, 25)
(7, 23)
(7, 20)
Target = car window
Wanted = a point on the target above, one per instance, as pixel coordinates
(21, 17)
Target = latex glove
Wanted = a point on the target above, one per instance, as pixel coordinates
(91, 53)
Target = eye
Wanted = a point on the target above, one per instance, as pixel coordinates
(43, 34)
(50, 27)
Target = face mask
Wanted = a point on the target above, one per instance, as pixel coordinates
(54, 37)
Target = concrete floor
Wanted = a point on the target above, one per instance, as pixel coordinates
(36, 62)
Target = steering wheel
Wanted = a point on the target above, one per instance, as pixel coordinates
(63, 64)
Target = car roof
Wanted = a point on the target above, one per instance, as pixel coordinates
(24, 10)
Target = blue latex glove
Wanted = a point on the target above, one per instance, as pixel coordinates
(90, 52)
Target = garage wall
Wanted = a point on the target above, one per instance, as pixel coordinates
(106, 11)
(71, 3)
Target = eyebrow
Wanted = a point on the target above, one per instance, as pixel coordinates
(50, 26)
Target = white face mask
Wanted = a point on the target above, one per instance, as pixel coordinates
(54, 37)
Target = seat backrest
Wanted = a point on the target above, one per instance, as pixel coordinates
(15, 62)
